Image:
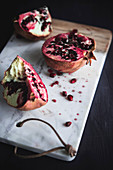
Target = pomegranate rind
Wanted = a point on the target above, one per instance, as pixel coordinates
(65, 67)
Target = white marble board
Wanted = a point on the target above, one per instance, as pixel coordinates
(36, 136)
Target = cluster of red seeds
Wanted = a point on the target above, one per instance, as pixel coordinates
(69, 97)
(53, 73)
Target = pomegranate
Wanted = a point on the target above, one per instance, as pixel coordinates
(67, 52)
(34, 25)
(23, 88)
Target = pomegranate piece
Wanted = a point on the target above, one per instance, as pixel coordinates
(34, 25)
(23, 88)
(67, 52)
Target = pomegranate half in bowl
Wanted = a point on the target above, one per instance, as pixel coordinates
(23, 88)
(34, 25)
(67, 52)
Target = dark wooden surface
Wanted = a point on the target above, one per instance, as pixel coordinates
(96, 148)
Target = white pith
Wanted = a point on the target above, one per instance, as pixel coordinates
(16, 70)
(37, 29)
(12, 99)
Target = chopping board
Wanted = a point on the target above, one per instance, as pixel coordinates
(36, 136)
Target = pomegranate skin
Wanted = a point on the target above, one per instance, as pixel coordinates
(28, 35)
(24, 88)
(65, 67)
(32, 105)
(54, 47)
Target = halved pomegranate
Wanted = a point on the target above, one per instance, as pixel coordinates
(23, 88)
(68, 52)
(34, 25)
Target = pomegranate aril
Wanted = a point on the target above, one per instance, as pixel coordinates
(59, 73)
(42, 10)
(75, 44)
(75, 119)
(48, 52)
(54, 83)
(64, 93)
(54, 100)
(45, 13)
(73, 59)
(80, 92)
(66, 57)
(52, 75)
(67, 124)
(54, 52)
(35, 84)
(74, 31)
(70, 97)
(32, 74)
(44, 25)
(28, 69)
(73, 80)
(41, 85)
(52, 42)
(50, 70)
(33, 79)
(66, 46)
(50, 46)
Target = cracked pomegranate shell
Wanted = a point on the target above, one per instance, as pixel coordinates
(67, 52)
(34, 25)
(23, 88)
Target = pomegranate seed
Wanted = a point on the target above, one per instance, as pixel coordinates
(54, 100)
(73, 80)
(73, 90)
(52, 75)
(67, 124)
(80, 92)
(54, 83)
(59, 73)
(64, 93)
(70, 97)
(50, 70)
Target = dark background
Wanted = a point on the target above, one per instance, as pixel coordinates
(96, 147)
